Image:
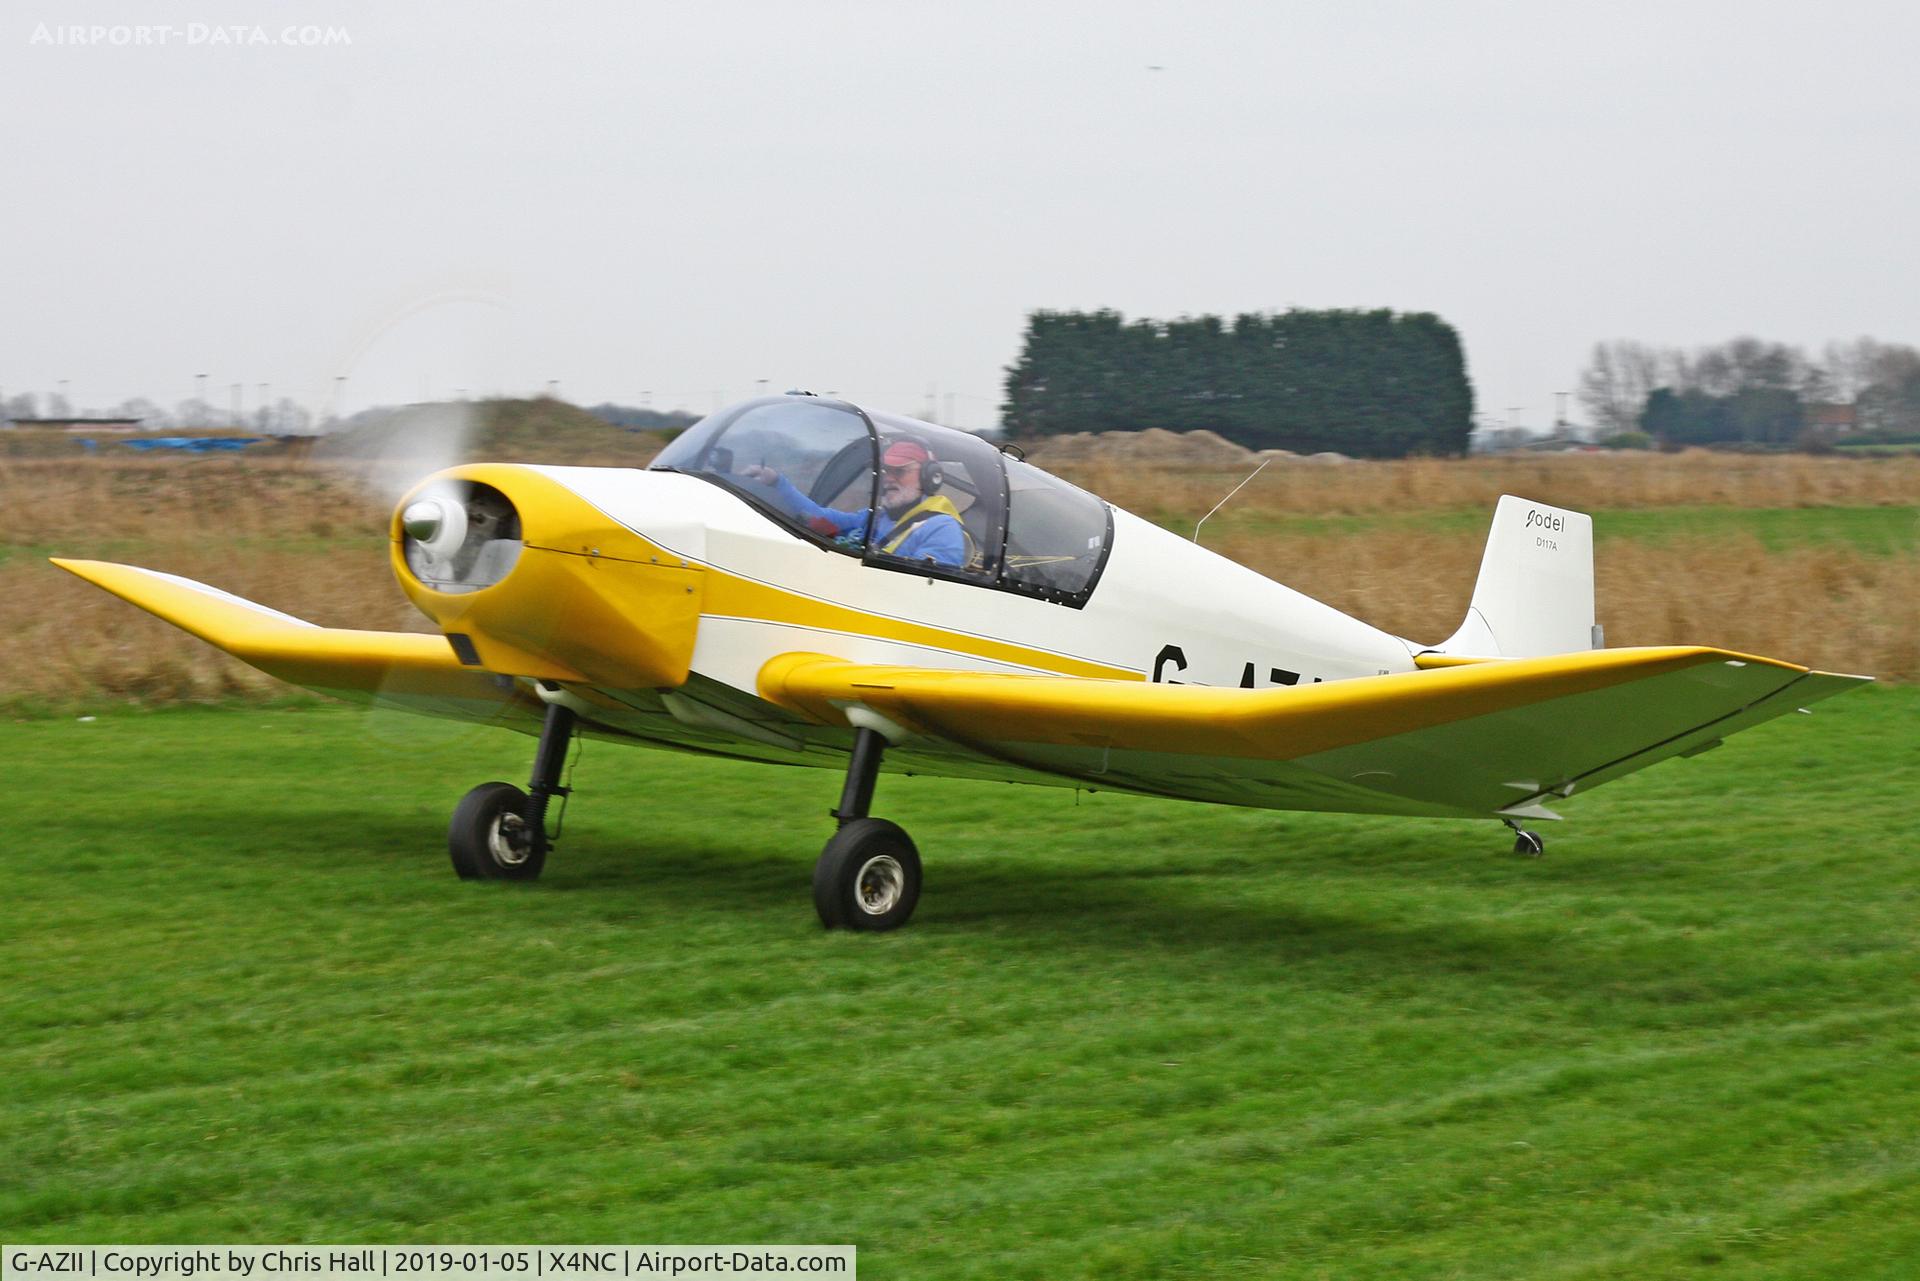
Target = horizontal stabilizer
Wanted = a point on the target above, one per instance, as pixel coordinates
(418, 670)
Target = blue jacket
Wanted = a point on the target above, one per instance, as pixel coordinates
(937, 538)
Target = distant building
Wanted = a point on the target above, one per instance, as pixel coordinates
(79, 425)
(1830, 417)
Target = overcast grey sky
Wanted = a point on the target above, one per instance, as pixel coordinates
(683, 199)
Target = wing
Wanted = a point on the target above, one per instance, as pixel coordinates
(416, 672)
(1492, 738)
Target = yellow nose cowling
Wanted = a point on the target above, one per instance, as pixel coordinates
(586, 599)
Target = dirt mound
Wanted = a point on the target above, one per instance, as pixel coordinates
(1155, 446)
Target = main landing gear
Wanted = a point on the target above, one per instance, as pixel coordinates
(868, 876)
(500, 832)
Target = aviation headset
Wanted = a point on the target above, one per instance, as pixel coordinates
(904, 450)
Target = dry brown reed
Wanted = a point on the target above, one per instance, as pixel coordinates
(63, 640)
(293, 535)
(1583, 482)
(179, 500)
(1831, 606)
(284, 533)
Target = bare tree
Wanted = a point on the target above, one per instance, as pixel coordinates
(151, 416)
(1846, 366)
(1743, 364)
(1764, 366)
(1616, 382)
(290, 419)
(1891, 399)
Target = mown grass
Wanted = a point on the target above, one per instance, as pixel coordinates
(1123, 1038)
(1881, 531)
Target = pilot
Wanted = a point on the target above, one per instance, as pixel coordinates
(913, 523)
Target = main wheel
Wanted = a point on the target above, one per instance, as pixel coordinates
(1528, 844)
(489, 838)
(868, 877)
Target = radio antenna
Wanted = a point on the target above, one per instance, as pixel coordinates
(1223, 502)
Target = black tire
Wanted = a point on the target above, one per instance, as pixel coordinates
(488, 839)
(1528, 844)
(868, 877)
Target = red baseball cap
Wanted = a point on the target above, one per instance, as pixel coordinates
(902, 452)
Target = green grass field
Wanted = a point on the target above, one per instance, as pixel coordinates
(1876, 530)
(1122, 1038)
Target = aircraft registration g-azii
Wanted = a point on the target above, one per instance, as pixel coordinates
(801, 581)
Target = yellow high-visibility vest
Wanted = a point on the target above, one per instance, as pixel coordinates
(928, 507)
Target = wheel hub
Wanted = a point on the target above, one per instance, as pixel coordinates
(880, 884)
(508, 842)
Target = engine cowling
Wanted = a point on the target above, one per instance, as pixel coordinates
(527, 578)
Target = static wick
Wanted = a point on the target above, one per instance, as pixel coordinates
(1224, 501)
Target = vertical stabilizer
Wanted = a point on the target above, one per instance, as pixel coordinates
(1535, 592)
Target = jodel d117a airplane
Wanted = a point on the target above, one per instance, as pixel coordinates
(801, 581)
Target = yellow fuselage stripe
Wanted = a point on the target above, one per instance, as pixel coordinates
(732, 595)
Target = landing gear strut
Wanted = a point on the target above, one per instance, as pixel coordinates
(868, 876)
(500, 832)
(1526, 844)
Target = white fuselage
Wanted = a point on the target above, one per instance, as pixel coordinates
(1163, 609)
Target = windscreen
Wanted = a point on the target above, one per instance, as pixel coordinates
(807, 462)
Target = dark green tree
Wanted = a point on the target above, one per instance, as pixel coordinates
(1369, 383)
(1754, 415)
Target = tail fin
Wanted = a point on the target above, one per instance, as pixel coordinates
(1534, 596)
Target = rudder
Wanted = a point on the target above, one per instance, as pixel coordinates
(1534, 596)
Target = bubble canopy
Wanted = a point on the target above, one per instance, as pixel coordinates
(902, 494)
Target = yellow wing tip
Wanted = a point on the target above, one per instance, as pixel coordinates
(125, 581)
(91, 570)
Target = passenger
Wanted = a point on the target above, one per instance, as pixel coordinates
(913, 523)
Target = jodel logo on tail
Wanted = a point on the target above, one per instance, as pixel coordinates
(1546, 520)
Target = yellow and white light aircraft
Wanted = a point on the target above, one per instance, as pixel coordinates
(801, 581)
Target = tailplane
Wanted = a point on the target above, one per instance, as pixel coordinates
(1534, 596)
